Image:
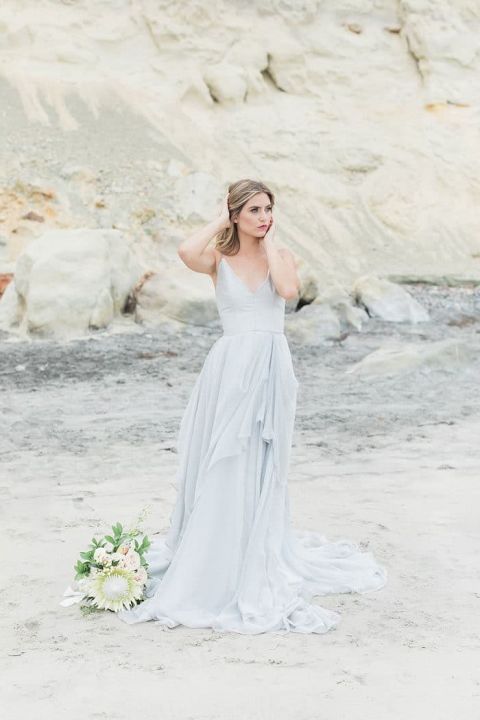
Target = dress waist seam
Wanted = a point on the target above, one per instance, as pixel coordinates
(244, 332)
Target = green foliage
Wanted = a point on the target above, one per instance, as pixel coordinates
(82, 569)
(89, 609)
(143, 546)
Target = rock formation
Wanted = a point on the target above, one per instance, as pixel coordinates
(68, 281)
(362, 116)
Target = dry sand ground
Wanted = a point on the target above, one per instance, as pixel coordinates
(88, 438)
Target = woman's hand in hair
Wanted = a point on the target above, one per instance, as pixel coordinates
(224, 214)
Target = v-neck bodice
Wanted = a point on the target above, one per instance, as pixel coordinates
(242, 309)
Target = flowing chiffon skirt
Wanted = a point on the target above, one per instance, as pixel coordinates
(231, 560)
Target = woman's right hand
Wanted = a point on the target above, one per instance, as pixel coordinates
(224, 214)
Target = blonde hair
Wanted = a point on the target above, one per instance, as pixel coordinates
(240, 192)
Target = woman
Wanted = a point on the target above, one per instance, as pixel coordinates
(230, 559)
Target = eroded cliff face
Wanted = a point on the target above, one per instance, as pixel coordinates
(363, 116)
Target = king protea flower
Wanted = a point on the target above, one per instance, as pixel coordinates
(114, 589)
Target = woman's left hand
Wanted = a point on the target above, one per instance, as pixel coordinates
(270, 234)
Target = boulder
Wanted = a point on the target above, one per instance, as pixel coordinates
(313, 324)
(176, 294)
(330, 316)
(68, 281)
(394, 358)
(388, 301)
(349, 314)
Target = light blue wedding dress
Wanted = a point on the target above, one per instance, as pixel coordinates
(230, 559)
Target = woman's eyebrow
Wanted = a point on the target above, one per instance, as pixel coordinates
(253, 207)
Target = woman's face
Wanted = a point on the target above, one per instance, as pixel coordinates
(255, 217)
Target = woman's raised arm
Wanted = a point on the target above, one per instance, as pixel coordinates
(194, 252)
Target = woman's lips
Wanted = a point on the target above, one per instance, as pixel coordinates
(262, 227)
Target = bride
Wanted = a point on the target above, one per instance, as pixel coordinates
(231, 559)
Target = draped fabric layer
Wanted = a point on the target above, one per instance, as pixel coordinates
(231, 559)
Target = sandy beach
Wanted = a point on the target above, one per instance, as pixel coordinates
(391, 462)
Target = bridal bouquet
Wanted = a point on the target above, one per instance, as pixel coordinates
(112, 573)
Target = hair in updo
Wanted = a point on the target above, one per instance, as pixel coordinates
(240, 192)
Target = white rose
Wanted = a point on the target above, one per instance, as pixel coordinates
(108, 547)
(132, 560)
(99, 555)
